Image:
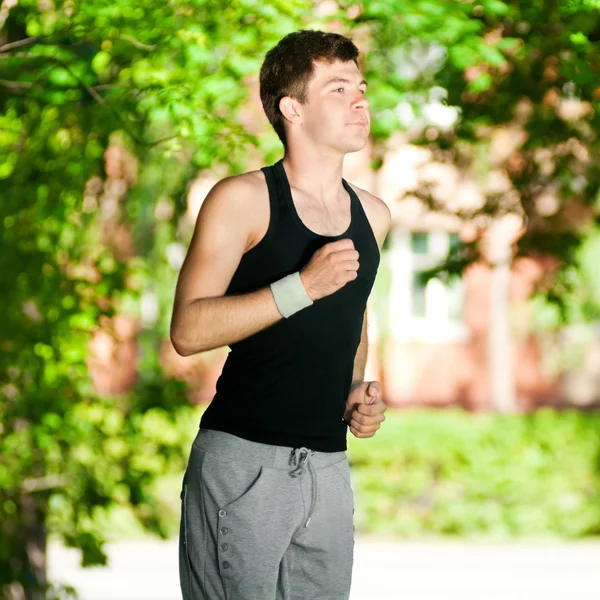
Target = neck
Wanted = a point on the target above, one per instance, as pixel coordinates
(317, 174)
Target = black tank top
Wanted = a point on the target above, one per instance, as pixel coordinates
(287, 385)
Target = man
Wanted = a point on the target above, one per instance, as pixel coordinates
(279, 268)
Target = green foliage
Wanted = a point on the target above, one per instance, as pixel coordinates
(499, 63)
(452, 473)
(108, 472)
(579, 301)
(455, 473)
(106, 113)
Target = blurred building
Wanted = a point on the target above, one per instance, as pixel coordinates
(430, 342)
(464, 341)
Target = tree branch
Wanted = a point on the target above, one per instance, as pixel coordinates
(20, 43)
(137, 43)
(109, 86)
(94, 94)
(48, 482)
(21, 55)
(16, 85)
(5, 9)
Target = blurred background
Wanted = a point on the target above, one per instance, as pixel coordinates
(116, 118)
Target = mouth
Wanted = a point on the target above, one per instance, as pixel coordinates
(359, 123)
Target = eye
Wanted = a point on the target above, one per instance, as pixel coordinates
(339, 89)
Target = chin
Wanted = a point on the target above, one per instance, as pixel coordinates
(355, 145)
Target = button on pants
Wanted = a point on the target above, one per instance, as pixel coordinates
(262, 522)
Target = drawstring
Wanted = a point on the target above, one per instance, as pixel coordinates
(300, 457)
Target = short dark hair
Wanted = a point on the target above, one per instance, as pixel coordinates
(288, 67)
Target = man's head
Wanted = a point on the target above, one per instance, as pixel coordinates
(298, 69)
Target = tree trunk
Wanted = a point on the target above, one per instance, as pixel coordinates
(35, 537)
(27, 537)
(500, 352)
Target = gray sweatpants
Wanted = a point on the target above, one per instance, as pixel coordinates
(262, 522)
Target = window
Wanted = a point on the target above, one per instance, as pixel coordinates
(419, 243)
(418, 295)
(455, 299)
(430, 310)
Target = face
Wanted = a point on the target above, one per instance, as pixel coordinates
(336, 113)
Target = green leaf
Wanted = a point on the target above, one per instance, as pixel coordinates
(101, 62)
(463, 56)
(491, 55)
(481, 83)
(62, 77)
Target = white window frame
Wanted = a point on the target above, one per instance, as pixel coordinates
(435, 327)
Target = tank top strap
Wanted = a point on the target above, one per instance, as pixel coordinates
(277, 182)
(275, 196)
(360, 223)
(355, 206)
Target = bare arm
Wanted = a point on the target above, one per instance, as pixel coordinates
(364, 411)
(203, 318)
(360, 360)
(379, 217)
(208, 323)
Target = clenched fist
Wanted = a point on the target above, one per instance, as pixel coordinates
(364, 409)
(331, 267)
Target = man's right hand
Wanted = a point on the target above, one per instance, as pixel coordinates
(331, 267)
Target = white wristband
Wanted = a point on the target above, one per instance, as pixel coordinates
(290, 295)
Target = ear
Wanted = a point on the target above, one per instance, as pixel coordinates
(290, 109)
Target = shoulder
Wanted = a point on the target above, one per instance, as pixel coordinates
(377, 212)
(239, 194)
(239, 189)
(241, 202)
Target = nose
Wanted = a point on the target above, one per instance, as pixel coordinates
(361, 102)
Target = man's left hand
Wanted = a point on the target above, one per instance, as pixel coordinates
(364, 409)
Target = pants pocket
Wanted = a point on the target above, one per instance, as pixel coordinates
(227, 482)
(234, 493)
(343, 469)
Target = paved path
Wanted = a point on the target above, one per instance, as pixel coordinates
(384, 570)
